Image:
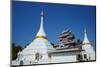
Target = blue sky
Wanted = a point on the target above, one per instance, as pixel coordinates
(57, 17)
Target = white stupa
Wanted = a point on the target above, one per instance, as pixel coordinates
(38, 51)
(89, 51)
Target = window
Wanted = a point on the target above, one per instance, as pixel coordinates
(85, 56)
(79, 57)
(49, 56)
(37, 56)
(21, 62)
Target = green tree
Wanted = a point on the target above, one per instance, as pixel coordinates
(79, 43)
(15, 49)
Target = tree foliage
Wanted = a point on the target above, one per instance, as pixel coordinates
(15, 50)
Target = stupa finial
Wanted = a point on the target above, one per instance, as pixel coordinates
(41, 33)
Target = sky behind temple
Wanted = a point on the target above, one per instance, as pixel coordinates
(57, 17)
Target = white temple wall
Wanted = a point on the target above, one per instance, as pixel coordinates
(57, 59)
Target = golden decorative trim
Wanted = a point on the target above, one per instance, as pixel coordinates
(41, 37)
(86, 46)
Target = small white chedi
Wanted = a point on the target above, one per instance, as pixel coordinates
(89, 51)
(40, 51)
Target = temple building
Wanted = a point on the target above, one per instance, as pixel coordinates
(40, 50)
